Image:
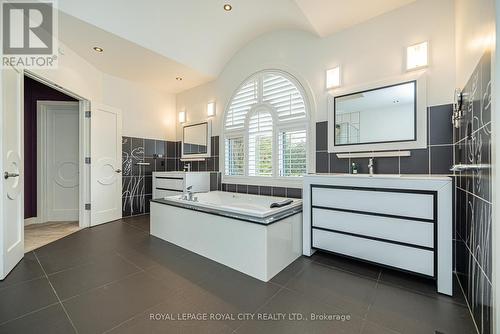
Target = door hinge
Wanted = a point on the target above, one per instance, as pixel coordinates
(87, 114)
(87, 206)
(87, 160)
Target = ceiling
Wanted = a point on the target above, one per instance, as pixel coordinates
(330, 16)
(155, 41)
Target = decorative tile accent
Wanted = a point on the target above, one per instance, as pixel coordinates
(473, 209)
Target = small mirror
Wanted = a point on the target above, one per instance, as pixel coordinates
(196, 140)
(380, 115)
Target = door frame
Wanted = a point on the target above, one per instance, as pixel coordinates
(84, 147)
(41, 170)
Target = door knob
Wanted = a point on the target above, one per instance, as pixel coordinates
(6, 175)
(118, 171)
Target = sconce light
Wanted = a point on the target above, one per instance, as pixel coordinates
(417, 56)
(211, 109)
(333, 77)
(182, 117)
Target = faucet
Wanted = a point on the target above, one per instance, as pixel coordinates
(188, 194)
(370, 166)
(187, 167)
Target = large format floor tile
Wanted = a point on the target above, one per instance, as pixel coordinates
(116, 278)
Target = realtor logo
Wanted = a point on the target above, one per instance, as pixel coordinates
(28, 34)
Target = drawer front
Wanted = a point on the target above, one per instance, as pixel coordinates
(402, 230)
(398, 256)
(172, 184)
(411, 205)
(158, 193)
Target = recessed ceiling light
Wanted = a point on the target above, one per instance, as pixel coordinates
(227, 7)
(178, 78)
(98, 49)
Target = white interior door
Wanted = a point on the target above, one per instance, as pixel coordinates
(59, 150)
(11, 164)
(106, 155)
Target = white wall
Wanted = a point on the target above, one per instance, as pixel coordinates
(147, 113)
(368, 52)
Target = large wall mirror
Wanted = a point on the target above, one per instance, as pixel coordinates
(196, 140)
(388, 116)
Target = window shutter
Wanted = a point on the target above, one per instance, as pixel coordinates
(292, 153)
(260, 144)
(234, 156)
(240, 105)
(284, 96)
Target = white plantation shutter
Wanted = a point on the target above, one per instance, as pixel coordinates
(234, 156)
(267, 97)
(240, 105)
(260, 148)
(284, 96)
(292, 153)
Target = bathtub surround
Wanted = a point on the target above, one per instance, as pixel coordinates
(141, 157)
(472, 144)
(262, 190)
(437, 158)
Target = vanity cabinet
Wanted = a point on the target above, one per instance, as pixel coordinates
(175, 183)
(402, 222)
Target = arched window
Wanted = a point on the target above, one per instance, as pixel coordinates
(265, 127)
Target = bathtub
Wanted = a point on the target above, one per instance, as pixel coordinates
(240, 231)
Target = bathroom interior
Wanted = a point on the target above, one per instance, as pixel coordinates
(293, 166)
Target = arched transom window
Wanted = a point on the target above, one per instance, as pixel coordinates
(265, 127)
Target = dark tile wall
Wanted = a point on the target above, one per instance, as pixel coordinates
(141, 157)
(262, 190)
(473, 213)
(437, 158)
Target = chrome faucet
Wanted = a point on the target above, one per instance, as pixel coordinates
(370, 166)
(188, 194)
(187, 167)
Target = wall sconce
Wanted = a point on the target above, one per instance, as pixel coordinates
(417, 56)
(182, 117)
(211, 109)
(333, 77)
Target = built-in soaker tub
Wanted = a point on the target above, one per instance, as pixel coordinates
(241, 231)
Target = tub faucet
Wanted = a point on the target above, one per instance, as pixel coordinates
(188, 194)
(370, 166)
(187, 167)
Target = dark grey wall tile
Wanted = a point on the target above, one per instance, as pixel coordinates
(279, 191)
(294, 192)
(213, 181)
(254, 190)
(363, 165)
(171, 151)
(322, 136)
(441, 159)
(148, 185)
(149, 147)
(160, 147)
(231, 187)
(241, 188)
(417, 163)
(389, 165)
(440, 127)
(321, 162)
(338, 165)
(265, 190)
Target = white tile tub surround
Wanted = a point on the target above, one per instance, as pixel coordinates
(258, 250)
(383, 219)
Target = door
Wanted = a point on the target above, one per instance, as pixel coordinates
(59, 156)
(106, 160)
(11, 165)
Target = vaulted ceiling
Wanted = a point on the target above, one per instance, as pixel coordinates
(155, 41)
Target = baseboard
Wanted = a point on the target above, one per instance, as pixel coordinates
(31, 221)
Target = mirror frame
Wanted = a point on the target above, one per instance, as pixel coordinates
(209, 143)
(420, 139)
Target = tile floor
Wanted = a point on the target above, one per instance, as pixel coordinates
(113, 278)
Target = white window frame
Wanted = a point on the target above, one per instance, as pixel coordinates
(278, 127)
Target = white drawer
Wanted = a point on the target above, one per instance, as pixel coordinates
(169, 183)
(402, 230)
(398, 256)
(409, 205)
(158, 193)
